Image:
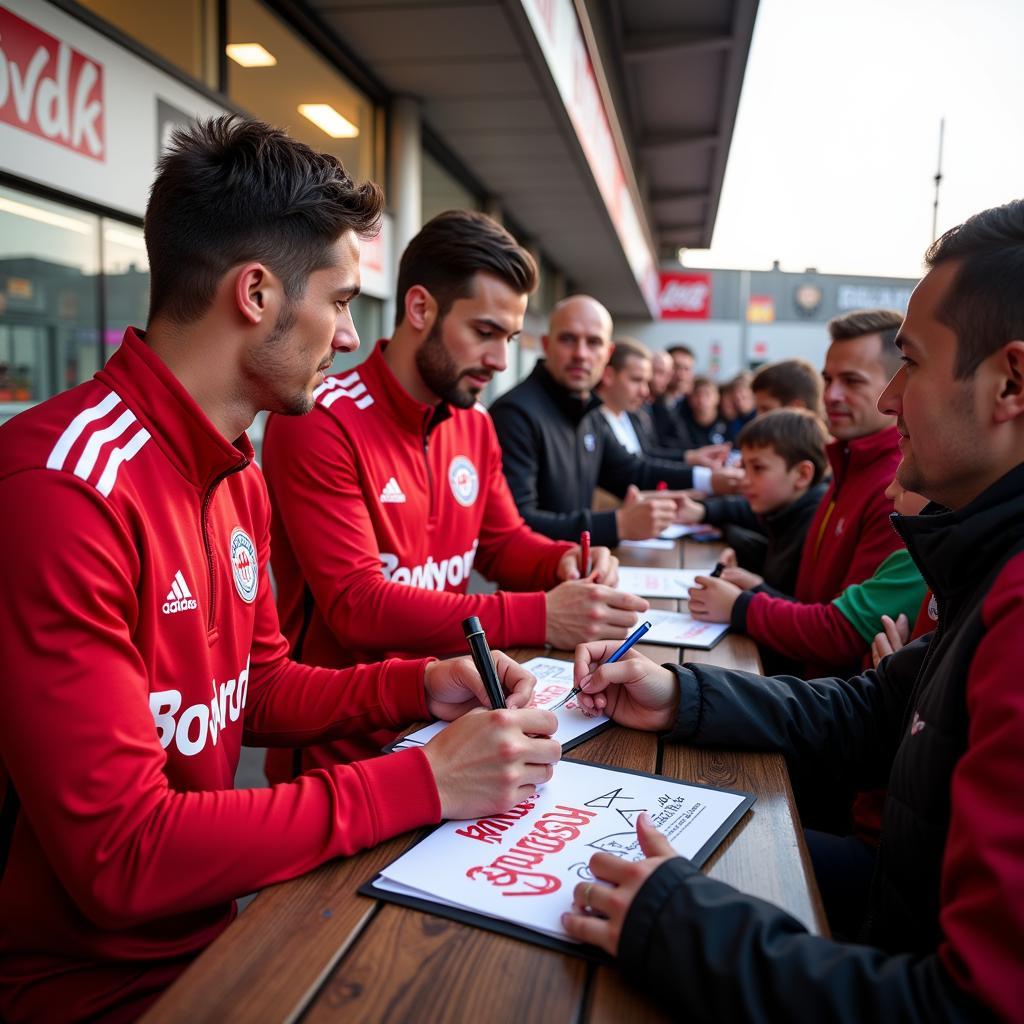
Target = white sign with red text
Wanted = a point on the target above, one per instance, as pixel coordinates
(522, 866)
(78, 112)
(684, 296)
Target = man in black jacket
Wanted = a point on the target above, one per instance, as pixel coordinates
(554, 450)
(941, 721)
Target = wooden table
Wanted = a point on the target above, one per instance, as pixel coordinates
(313, 948)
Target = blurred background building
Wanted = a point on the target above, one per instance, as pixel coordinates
(596, 130)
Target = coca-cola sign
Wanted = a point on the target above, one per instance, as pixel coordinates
(684, 296)
(49, 88)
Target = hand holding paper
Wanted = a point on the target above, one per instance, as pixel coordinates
(634, 691)
(618, 881)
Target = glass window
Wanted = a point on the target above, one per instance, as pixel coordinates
(49, 262)
(442, 191)
(125, 281)
(184, 33)
(338, 118)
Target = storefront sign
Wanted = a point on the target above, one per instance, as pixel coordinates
(49, 88)
(862, 296)
(684, 296)
(760, 309)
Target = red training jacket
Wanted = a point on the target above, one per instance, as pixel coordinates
(381, 506)
(848, 539)
(141, 646)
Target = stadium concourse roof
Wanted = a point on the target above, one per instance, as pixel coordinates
(608, 164)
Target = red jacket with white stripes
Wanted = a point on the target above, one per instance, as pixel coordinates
(141, 645)
(381, 506)
(849, 537)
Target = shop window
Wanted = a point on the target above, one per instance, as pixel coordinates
(49, 262)
(125, 281)
(277, 76)
(184, 33)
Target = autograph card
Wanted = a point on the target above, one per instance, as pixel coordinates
(678, 629)
(519, 868)
(554, 681)
(672, 583)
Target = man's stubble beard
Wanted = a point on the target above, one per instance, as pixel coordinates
(440, 372)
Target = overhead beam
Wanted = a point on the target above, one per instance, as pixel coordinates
(659, 45)
(669, 195)
(678, 140)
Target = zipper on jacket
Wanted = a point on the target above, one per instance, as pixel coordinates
(205, 524)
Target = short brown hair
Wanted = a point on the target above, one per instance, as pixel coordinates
(984, 306)
(789, 381)
(451, 249)
(230, 190)
(795, 434)
(627, 348)
(884, 322)
(742, 379)
(703, 381)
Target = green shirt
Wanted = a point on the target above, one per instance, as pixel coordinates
(896, 587)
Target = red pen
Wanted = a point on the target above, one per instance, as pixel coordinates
(662, 486)
(585, 554)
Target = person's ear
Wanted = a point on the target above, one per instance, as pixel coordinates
(256, 292)
(1009, 370)
(607, 377)
(803, 473)
(420, 308)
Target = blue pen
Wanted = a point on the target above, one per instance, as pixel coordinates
(623, 649)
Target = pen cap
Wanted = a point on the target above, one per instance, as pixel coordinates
(471, 626)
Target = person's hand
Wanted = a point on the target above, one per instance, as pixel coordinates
(579, 610)
(712, 598)
(600, 908)
(893, 637)
(711, 455)
(641, 518)
(742, 578)
(488, 761)
(689, 511)
(634, 691)
(726, 480)
(604, 566)
(728, 558)
(454, 686)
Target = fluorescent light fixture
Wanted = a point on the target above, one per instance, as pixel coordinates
(328, 120)
(250, 55)
(125, 238)
(57, 220)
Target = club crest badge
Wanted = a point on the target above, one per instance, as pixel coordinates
(463, 480)
(244, 565)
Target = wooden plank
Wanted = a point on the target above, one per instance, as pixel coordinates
(765, 855)
(411, 966)
(270, 961)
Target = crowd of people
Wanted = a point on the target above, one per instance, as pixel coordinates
(875, 554)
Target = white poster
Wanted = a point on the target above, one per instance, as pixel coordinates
(521, 867)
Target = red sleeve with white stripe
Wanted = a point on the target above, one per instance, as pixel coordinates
(314, 481)
(510, 553)
(80, 747)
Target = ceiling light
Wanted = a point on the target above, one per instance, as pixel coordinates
(327, 119)
(58, 220)
(250, 55)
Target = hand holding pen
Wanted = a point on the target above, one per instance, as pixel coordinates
(619, 652)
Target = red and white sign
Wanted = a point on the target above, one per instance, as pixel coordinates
(683, 296)
(49, 88)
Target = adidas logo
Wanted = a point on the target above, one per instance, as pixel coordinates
(179, 597)
(392, 493)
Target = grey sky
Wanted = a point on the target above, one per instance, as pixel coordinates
(834, 150)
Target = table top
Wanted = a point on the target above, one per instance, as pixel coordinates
(313, 947)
